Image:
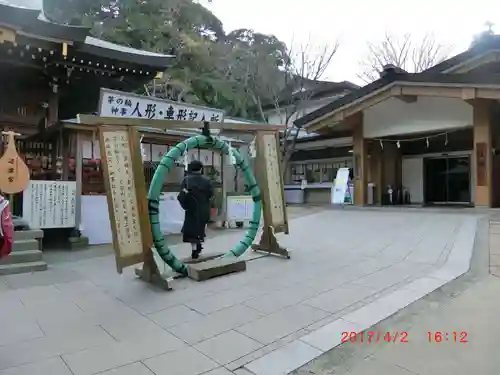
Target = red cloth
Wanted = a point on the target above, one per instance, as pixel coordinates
(7, 229)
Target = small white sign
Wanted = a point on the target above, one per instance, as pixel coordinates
(340, 186)
(50, 204)
(239, 208)
(123, 104)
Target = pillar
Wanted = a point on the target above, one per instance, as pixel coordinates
(377, 171)
(360, 155)
(482, 167)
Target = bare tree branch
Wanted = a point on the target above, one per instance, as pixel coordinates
(305, 67)
(405, 52)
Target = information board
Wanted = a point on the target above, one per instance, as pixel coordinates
(269, 147)
(50, 204)
(239, 208)
(122, 196)
(340, 186)
(127, 105)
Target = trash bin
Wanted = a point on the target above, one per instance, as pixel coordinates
(370, 193)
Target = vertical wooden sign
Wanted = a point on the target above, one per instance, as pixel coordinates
(269, 177)
(126, 194)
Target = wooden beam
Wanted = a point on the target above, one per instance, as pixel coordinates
(408, 93)
(173, 124)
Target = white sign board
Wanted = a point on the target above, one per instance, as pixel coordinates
(50, 204)
(239, 208)
(171, 213)
(123, 104)
(340, 186)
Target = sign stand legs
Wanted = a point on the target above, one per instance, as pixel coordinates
(150, 273)
(269, 244)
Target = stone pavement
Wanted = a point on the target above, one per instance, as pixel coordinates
(82, 318)
(473, 315)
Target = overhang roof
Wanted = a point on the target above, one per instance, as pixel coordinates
(27, 18)
(461, 86)
(398, 84)
(313, 89)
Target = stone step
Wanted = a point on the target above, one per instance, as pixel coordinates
(28, 234)
(24, 245)
(12, 269)
(23, 257)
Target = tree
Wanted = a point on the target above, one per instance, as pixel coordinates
(405, 52)
(231, 71)
(302, 73)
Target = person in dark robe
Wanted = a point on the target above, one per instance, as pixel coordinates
(195, 198)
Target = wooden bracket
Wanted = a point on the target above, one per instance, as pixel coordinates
(150, 273)
(269, 244)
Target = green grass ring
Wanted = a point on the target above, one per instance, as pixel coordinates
(166, 164)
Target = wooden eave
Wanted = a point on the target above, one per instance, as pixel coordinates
(175, 125)
(401, 89)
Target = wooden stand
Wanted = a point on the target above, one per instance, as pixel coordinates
(151, 274)
(269, 244)
(269, 176)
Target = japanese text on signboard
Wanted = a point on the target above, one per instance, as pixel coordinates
(118, 104)
(122, 189)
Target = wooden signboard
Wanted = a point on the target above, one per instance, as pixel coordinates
(126, 193)
(269, 176)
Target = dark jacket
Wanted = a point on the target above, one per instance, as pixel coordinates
(195, 196)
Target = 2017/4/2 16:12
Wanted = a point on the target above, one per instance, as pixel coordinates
(455, 337)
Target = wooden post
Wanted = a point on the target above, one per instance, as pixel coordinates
(79, 179)
(270, 178)
(126, 194)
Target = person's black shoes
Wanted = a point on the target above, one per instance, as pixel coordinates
(195, 254)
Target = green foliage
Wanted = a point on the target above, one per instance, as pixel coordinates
(237, 72)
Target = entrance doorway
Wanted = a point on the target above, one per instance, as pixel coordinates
(447, 180)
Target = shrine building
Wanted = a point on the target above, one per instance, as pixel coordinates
(429, 138)
(51, 72)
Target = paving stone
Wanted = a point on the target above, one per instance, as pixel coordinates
(282, 298)
(129, 326)
(174, 316)
(212, 303)
(106, 357)
(227, 347)
(211, 325)
(282, 323)
(284, 360)
(52, 366)
(340, 298)
(22, 331)
(137, 368)
(329, 336)
(187, 361)
(51, 346)
(219, 371)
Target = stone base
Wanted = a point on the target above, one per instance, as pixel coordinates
(75, 243)
(154, 278)
(216, 267)
(202, 258)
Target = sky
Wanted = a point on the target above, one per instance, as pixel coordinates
(355, 22)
